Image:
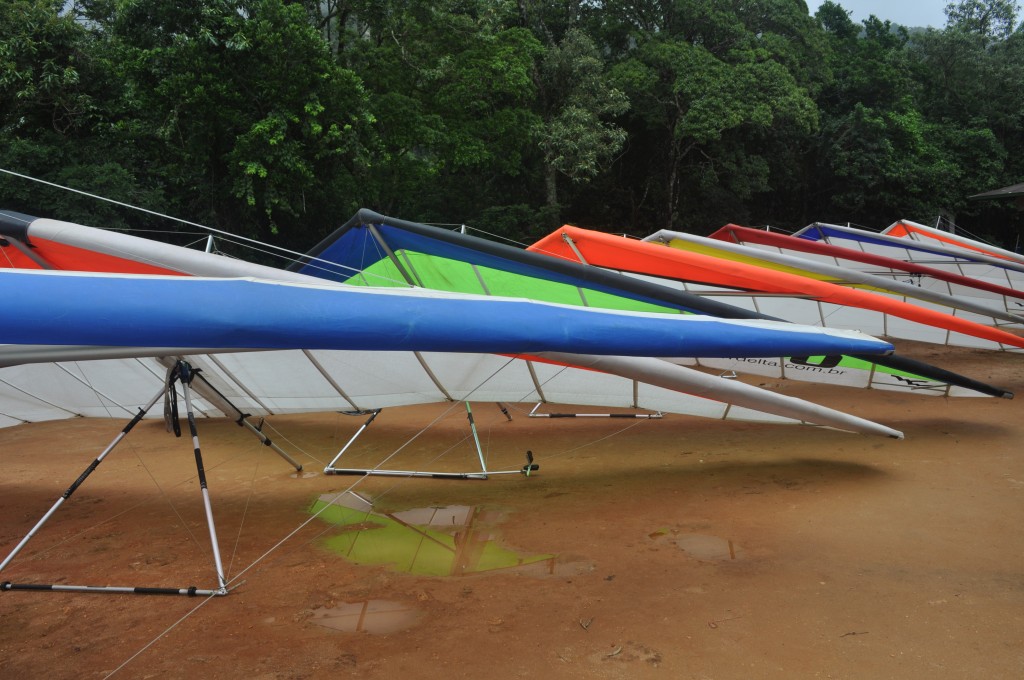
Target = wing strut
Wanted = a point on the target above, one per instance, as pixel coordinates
(181, 372)
(242, 420)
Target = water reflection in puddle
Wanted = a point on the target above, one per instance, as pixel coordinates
(439, 541)
(369, 616)
(701, 546)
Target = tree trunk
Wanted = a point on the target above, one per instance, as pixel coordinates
(551, 191)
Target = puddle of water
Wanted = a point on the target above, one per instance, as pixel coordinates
(702, 546)
(379, 617)
(438, 541)
(450, 515)
(710, 548)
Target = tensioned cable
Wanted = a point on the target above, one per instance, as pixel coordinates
(141, 209)
(161, 635)
(245, 511)
(293, 254)
(214, 230)
(164, 495)
(497, 236)
(278, 435)
(394, 453)
(310, 519)
(42, 552)
(352, 486)
(7, 257)
(84, 379)
(329, 504)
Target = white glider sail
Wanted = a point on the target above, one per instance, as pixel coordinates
(316, 380)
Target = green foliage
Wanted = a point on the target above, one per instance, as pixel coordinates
(253, 122)
(720, 84)
(577, 134)
(58, 99)
(278, 119)
(450, 85)
(988, 19)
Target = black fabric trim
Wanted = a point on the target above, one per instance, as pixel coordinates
(15, 224)
(594, 276)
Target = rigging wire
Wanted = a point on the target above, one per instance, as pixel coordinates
(350, 487)
(245, 510)
(310, 260)
(7, 257)
(313, 517)
(42, 552)
(152, 642)
(292, 256)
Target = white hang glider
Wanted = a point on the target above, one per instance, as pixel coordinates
(357, 378)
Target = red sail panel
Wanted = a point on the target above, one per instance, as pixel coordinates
(734, 233)
(70, 258)
(641, 257)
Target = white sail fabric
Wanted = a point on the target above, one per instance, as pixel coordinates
(845, 316)
(292, 381)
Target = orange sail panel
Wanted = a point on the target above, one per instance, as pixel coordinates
(641, 257)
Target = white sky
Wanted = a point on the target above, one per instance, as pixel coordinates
(906, 12)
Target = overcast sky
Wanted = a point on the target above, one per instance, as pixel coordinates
(906, 12)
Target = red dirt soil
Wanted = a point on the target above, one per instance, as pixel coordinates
(685, 548)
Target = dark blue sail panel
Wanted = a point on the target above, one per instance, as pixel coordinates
(824, 232)
(354, 244)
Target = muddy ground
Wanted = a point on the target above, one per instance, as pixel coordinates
(674, 548)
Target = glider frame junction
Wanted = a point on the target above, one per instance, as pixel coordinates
(182, 372)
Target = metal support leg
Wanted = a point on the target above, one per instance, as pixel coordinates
(330, 469)
(378, 472)
(184, 373)
(476, 439)
(244, 422)
(81, 478)
(242, 419)
(643, 416)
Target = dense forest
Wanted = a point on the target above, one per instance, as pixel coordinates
(278, 120)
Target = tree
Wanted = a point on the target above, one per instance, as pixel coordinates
(576, 136)
(56, 103)
(989, 19)
(705, 79)
(970, 75)
(451, 84)
(240, 109)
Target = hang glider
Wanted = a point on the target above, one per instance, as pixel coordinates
(45, 382)
(975, 265)
(989, 303)
(782, 293)
(879, 314)
(945, 239)
(387, 249)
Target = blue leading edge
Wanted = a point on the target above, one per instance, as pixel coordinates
(60, 308)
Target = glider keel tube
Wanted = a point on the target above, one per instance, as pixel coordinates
(674, 377)
(125, 310)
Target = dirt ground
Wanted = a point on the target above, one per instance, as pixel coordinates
(674, 548)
